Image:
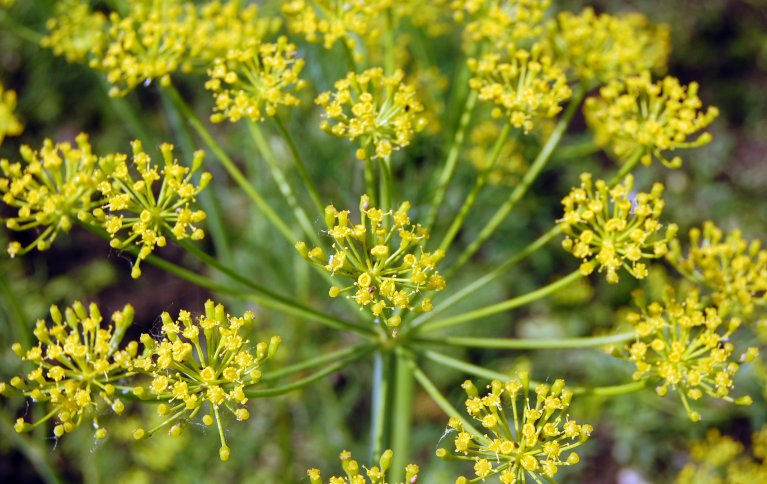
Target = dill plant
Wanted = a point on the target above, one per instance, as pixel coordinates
(391, 265)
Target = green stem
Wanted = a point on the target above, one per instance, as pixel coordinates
(463, 366)
(282, 183)
(300, 165)
(505, 305)
(611, 391)
(451, 162)
(521, 189)
(401, 415)
(34, 455)
(379, 397)
(273, 392)
(387, 183)
(431, 389)
(127, 114)
(529, 344)
(18, 318)
(626, 168)
(316, 362)
(21, 31)
(471, 198)
(370, 182)
(230, 166)
(487, 278)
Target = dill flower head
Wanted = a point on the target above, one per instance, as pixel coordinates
(76, 31)
(232, 24)
(355, 475)
(612, 228)
(720, 458)
(602, 48)
(500, 22)
(379, 111)
(9, 125)
(529, 435)
(77, 362)
(382, 257)
(524, 85)
(254, 81)
(53, 187)
(207, 361)
(638, 117)
(142, 214)
(334, 20)
(733, 269)
(684, 345)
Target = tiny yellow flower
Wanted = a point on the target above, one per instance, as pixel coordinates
(356, 475)
(9, 124)
(332, 20)
(500, 22)
(720, 458)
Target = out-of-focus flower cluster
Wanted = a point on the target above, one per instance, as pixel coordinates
(733, 269)
(529, 435)
(602, 48)
(204, 361)
(61, 183)
(684, 345)
(524, 85)
(373, 475)
(383, 256)
(637, 117)
(721, 459)
(510, 164)
(500, 23)
(79, 362)
(9, 124)
(379, 111)
(254, 81)
(151, 40)
(610, 228)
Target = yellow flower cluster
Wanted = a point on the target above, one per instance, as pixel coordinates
(524, 85)
(685, 345)
(254, 81)
(733, 269)
(601, 48)
(383, 257)
(198, 362)
(9, 125)
(151, 40)
(133, 206)
(51, 189)
(500, 22)
(77, 360)
(614, 227)
(636, 117)
(373, 475)
(333, 20)
(721, 459)
(530, 440)
(380, 111)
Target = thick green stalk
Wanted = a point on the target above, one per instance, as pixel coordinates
(231, 167)
(300, 165)
(379, 398)
(528, 344)
(370, 182)
(386, 184)
(505, 305)
(451, 162)
(401, 416)
(282, 183)
(304, 382)
(478, 185)
(521, 189)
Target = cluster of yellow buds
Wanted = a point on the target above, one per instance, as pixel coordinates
(151, 40)
(601, 48)
(733, 269)
(380, 111)
(9, 125)
(637, 117)
(685, 345)
(134, 207)
(386, 276)
(373, 475)
(77, 360)
(198, 362)
(524, 85)
(721, 458)
(52, 188)
(333, 20)
(614, 227)
(254, 81)
(500, 22)
(530, 440)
